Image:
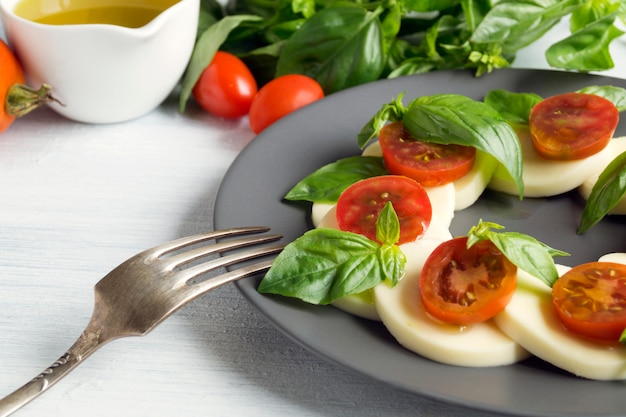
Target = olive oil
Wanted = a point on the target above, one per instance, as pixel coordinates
(128, 13)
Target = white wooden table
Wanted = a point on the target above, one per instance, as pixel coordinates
(75, 201)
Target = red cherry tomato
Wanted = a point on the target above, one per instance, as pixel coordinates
(226, 87)
(590, 300)
(572, 126)
(12, 74)
(464, 286)
(282, 96)
(430, 164)
(360, 204)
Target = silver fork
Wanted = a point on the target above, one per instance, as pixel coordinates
(140, 293)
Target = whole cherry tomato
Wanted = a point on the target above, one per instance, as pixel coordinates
(17, 98)
(360, 205)
(226, 87)
(282, 96)
(430, 164)
(572, 126)
(464, 286)
(12, 73)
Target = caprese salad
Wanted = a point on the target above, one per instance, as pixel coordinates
(381, 247)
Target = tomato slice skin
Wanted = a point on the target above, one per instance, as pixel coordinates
(572, 126)
(465, 286)
(430, 164)
(360, 204)
(590, 300)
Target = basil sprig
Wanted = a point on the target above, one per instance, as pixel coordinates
(453, 119)
(328, 182)
(513, 107)
(326, 264)
(524, 251)
(608, 190)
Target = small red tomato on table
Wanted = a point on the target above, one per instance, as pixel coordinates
(282, 96)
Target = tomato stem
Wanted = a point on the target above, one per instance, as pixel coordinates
(22, 99)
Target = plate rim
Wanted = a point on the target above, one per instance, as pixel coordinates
(299, 117)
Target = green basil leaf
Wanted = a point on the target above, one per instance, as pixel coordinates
(617, 95)
(326, 264)
(587, 49)
(474, 12)
(513, 107)
(340, 47)
(516, 24)
(328, 182)
(524, 251)
(390, 112)
(590, 12)
(205, 48)
(392, 261)
(605, 194)
(430, 5)
(451, 118)
(388, 226)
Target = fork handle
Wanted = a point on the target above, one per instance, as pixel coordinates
(80, 350)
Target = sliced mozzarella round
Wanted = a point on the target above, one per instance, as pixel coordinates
(469, 187)
(531, 321)
(318, 211)
(542, 177)
(401, 311)
(617, 257)
(617, 146)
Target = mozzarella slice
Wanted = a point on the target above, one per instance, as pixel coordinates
(616, 147)
(469, 187)
(531, 321)
(401, 311)
(542, 177)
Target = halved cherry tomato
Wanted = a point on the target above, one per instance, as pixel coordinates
(430, 164)
(282, 96)
(226, 87)
(360, 204)
(590, 300)
(572, 126)
(464, 286)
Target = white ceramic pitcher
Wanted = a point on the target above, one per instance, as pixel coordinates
(105, 73)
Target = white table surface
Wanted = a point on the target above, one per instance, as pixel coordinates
(76, 200)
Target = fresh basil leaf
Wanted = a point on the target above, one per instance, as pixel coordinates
(590, 12)
(617, 95)
(451, 118)
(328, 182)
(339, 46)
(605, 194)
(326, 264)
(205, 48)
(388, 226)
(524, 251)
(513, 107)
(587, 49)
(516, 24)
(430, 5)
(390, 112)
(474, 12)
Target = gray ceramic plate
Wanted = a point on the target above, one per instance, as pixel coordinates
(325, 131)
